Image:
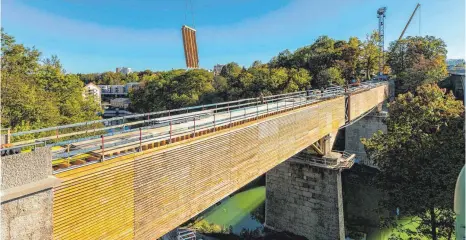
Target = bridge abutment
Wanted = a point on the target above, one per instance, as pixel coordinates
(27, 195)
(305, 200)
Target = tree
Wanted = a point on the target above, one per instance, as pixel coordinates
(37, 94)
(174, 89)
(111, 78)
(422, 72)
(327, 77)
(284, 59)
(349, 61)
(416, 60)
(370, 55)
(231, 71)
(420, 158)
(321, 55)
(298, 80)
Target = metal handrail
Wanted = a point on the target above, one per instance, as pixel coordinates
(272, 104)
(202, 107)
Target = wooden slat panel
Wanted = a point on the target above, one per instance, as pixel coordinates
(185, 44)
(364, 101)
(97, 205)
(150, 193)
(190, 47)
(195, 53)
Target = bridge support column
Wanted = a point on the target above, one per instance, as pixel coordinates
(27, 195)
(364, 128)
(305, 200)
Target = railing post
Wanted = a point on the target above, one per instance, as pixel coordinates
(230, 119)
(140, 140)
(67, 151)
(103, 148)
(257, 111)
(194, 135)
(215, 129)
(170, 141)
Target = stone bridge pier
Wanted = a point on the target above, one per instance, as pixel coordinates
(305, 197)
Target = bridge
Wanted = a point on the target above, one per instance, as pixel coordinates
(152, 172)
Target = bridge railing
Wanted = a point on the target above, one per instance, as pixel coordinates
(145, 118)
(197, 126)
(342, 160)
(197, 120)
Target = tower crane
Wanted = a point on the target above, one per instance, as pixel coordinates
(381, 16)
(406, 27)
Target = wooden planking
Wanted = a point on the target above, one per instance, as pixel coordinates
(96, 205)
(190, 47)
(147, 195)
(364, 101)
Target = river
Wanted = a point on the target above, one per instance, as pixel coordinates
(242, 214)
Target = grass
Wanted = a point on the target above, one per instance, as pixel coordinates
(385, 233)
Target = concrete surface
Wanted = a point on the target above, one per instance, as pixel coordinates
(28, 216)
(24, 168)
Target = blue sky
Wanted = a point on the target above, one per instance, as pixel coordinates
(100, 35)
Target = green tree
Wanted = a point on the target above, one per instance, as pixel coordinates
(231, 71)
(349, 59)
(174, 89)
(327, 77)
(422, 72)
(417, 60)
(420, 158)
(284, 59)
(298, 80)
(111, 78)
(37, 94)
(370, 55)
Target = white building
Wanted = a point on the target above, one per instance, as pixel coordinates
(132, 86)
(92, 90)
(122, 103)
(113, 89)
(124, 70)
(119, 89)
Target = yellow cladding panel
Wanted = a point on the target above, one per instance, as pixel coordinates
(97, 204)
(150, 193)
(363, 101)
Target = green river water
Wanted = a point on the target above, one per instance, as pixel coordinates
(245, 211)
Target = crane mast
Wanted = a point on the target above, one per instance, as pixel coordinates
(381, 16)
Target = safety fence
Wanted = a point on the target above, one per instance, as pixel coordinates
(85, 143)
